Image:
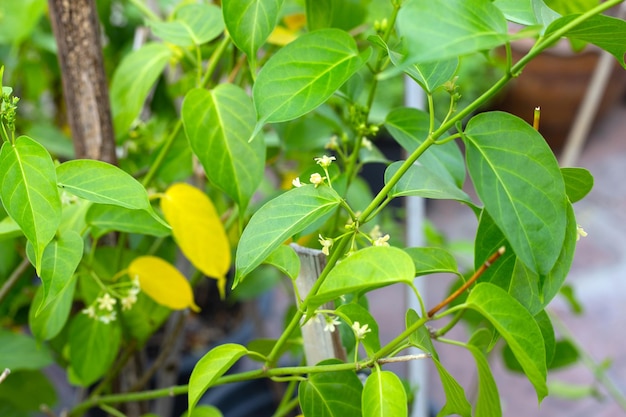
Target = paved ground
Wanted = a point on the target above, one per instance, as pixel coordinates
(598, 276)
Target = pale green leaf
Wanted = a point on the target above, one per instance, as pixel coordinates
(578, 183)
(517, 326)
(93, 347)
(19, 351)
(518, 11)
(132, 82)
(331, 394)
(365, 270)
(212, 366)
(432, 261)
(250, 22)
(436, 30)
(384, 396)
(409, 127)
(278, 220)
(304, 74)
(18, 19)
(105, 218)
(518, 179)
(48, 322)
(285, 259)
(422, 182)
(9, 229)
(60, 259)
(28, 191)
(102, 183)
(219, 124)
(193, 24)
(604, 31)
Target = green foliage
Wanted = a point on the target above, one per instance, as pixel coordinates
(282, 103)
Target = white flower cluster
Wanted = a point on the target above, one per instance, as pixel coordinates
(103, 308)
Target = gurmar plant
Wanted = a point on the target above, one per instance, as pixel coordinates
(313, 70)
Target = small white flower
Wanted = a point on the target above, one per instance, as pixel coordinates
(326, 244)
(296, 182)
(360, 331)
(106, 302)
(108, 318)
(90, 311)
(332, 143)
(382, 241)
(128, 301)
(325, 161)
(375, 233)
(331, 323)
(580, 232)
(366, 143)
(316, 179)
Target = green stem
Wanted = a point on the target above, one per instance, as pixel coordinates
(445, 329)
(12, 280)
(169, 141)
(215, 58)
(391, 346)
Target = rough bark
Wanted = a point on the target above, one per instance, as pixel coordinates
(77, 31)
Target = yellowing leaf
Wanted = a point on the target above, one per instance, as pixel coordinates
(198, 230)
(162, 282)
(281, 36)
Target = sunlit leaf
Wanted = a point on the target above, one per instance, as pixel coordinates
(432, 260)
(132, 81)
(212, 366)
(286, 260)
(384, 396)
(219, 124)
(197, 229)
(331, 394)
(28, 191)
(193, 24)
(162, 282)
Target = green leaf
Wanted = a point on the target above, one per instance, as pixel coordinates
(60, 259)
(578, 183)
(280, 219)
(384, 396)
(132, 82)
(146, 317)
(518, 179)
(432, 261)
(102, 183)
(547, 331)
(19, 351)
(285, 259)
(365, 270)
(422, 182)
(488, 399)
(346, 14)
(212, 366)
(24, 392)
(517, 326)
(358, 313)
(18, 19)
(47, 322)
(193, 24)
(422, 337)
(572, 6)
(605, 32)
(331, 394)
(9, 229)
(105, 218)
(218, 124)
(456, 402)
(249, 23)
(409, 127)
(518, 11)
(455, 27)
(565, 354)
(304, 74)
(202, 411)
(28, 192)
(93, 347)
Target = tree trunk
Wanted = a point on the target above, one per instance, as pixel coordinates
(77, 31)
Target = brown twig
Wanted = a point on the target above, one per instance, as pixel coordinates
(469, 282)
(15, 276)
(536, 117)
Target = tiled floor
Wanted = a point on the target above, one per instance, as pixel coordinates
(598, 276)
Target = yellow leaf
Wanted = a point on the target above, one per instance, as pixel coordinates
(162, 282)
(281, 36)
(197, 229)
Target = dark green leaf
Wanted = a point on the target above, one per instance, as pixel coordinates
(46, 323)
(93, 347)
(286, 260)
(304, 74)
(219, 124)
(193, 24)
(409, 127)
(565, 354)
(19, 351)
(212, 366)
(28, 191)
(24, 392)
(345, 14)
(578, 183)
(132, 81)
(519, 181)
(146, 317)
(105, 218)
(516, 325)
(384, 396)
(280, 219)
(331, 394)
(604, 31)
(547, 331)
(432, 261)
(365, 270)
(437, 30)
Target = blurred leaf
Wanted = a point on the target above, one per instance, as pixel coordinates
(21, 352)
(286, 260)
(48, 322)
(193, 24)
(24, 392)
(18, 19)
(105, 218)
